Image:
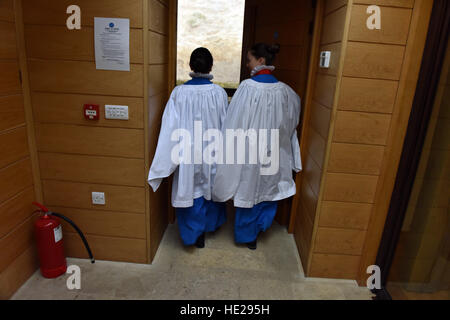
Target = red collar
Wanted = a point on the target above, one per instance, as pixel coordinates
(264, 71)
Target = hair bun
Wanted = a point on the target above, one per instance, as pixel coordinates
(274, 49)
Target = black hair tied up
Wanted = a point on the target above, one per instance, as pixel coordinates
(262, 50)
(201, 60)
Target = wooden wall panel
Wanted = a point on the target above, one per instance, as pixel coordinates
(355, 158)
(14, 178)
(118, 142)
(9, 78)
(65, 109)
(339, 241)
(16, 210)
(82, 77)
(367, 95)
(54, 42)
(17, 189)
(78, 195)
(368, 60)
(14, 146)
(90, 169)
(51, 12)
(11, 111)
(158, 17)
(106, 248)
(335, 266)
(394, 30)
(104, 223)
(8, 49)
(333, 26)
(350, 187)
(392, 3)
(348, 215)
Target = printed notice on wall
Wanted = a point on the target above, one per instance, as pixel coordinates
(112, 44)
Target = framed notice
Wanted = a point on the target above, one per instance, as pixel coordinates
(112, 44)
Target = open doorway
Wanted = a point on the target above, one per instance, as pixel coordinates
(229, 28)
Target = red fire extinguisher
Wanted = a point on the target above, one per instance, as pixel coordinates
(50, 244)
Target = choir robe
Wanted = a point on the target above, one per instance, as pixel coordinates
(261, 102)
(196, 100)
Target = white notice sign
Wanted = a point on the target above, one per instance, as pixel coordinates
(112, 44)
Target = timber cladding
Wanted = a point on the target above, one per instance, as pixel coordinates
(77, 156)
(17, 184)
(348, 133)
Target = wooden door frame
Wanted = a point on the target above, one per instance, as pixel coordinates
(312, 70)
(424, 103)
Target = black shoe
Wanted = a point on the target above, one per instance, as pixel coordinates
(200, 243)
(252, 245)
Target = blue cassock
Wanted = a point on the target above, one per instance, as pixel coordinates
(204, 215)
(249, 222)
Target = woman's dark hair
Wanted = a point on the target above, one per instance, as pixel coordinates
(262, 50)
(201, 60)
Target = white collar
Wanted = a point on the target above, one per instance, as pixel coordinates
(201, 75)
(261, 67)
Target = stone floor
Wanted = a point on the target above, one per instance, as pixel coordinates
(222, 270)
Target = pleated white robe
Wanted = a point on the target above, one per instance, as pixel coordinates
(258, 105)
(187, 104)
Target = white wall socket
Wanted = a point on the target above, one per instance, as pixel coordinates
(325, 57)
(116, 112)
(98, 198)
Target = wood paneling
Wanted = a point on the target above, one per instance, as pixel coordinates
(8, 49)
(335, 49)
(336, 266)
(393, 3)
(357, 127)
(82, 77)
(320, 119)
(394, 29)
(60, 43)
(375, 61)
(99, 141)
(79, 195)
(67, 109)
(316, 147)
(158, 17)
(16, 242)
(332, 5)
(53, 12)
(350, 187)
(106, 248)
(9, 78)
(349, 215)
(333, 26)
(158, 48)
(324, 90)
(15, 178)
(339, 241)
(355, 158)
(92, 169)
(18, 271)
(7, 10)
(11, 112)
(157, 79)
(16, 210)
(104, 223)
(367, 95)
(14, 146)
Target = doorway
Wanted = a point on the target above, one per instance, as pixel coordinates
(414, 255)
(288, 23)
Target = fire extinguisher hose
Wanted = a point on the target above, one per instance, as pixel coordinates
(79, 232)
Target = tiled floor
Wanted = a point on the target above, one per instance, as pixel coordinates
(222, 270)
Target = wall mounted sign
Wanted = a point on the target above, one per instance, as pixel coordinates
(112, 44)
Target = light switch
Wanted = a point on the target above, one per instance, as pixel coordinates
(325, 57)
(98, 198)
